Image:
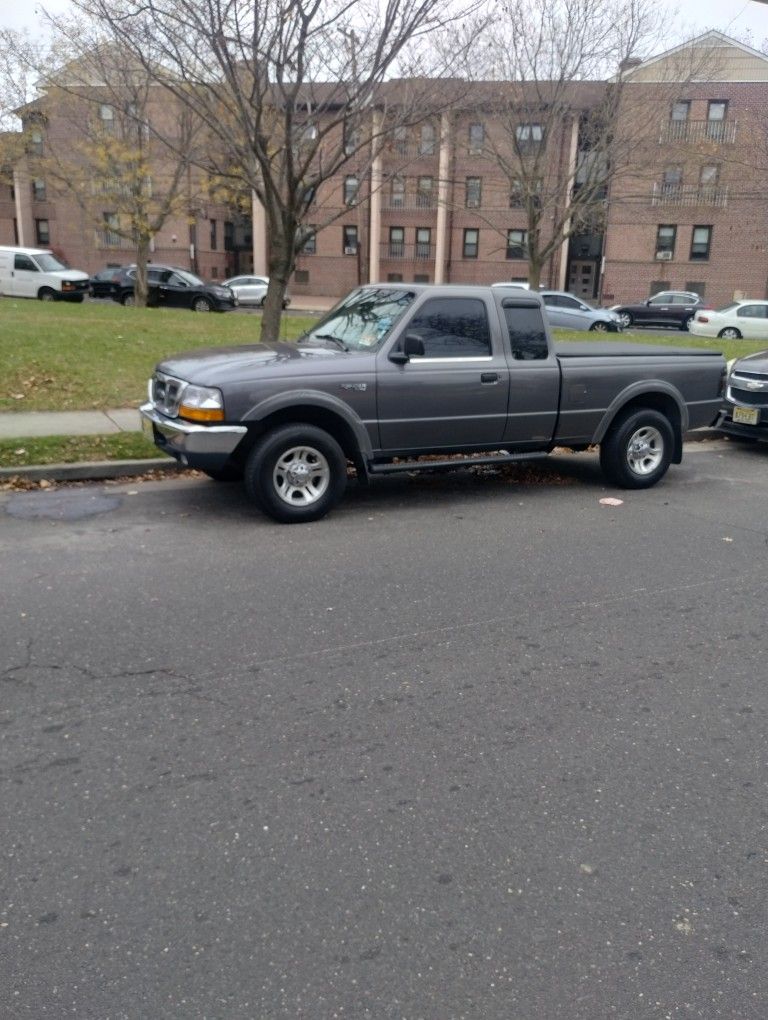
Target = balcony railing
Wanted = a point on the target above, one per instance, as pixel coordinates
(399, 250)
(108, 239)
(718, 131)
(410, 204)
(689, 195)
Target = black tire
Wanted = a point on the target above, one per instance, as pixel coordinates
(128, 300)
(729, 333)
(599, 327)
(262, 474)
(637, 449)
(263, 301)
(78, 299)
(685, 325)
(46, 294)
(202, 304)
(224, 474)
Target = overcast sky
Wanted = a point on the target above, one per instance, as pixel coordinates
(729, 16)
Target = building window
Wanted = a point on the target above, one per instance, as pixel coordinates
(423, 243)
(110, 237)
(709, 175)
(427, 140)
(310, 245)
(517, 244)
(471, 242)
(214, 239)
(716, 113)
(352, 137)
(473, 192)
(476, 139)
(657, 286)
(301, 276)
(396, 242)
(350, 240)
(397, 193)
(680, 110)
(529, 136)
(665, 240)
(394, 277)
(38, 190)
(701, 241)
(42, 232)
(36, 142)
(214, 272)
(351, 188)
(424, 193)
(107, 117)
(400, 136)
(421, 277)
(229, 235)
(673, 178)
(696, 287)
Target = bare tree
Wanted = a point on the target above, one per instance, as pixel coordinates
(288, 92)
(106, 135)
(562, 68)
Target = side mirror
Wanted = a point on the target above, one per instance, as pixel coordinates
(413, 347)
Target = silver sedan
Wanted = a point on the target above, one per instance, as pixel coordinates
(252, 290)
(569, 312)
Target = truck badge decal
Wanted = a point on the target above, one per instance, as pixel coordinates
(359, 386)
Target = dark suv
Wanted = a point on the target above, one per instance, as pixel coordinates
(674, 308)
(169, 287)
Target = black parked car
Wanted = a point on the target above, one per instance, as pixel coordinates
(102, 284)
(674, 308)
(169, 287)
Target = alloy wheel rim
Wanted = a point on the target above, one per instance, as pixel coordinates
(301, 476)
(645, 450)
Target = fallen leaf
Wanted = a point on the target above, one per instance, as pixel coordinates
(611, 501)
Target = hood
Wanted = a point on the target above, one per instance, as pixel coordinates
(753, 363)
(75, 275)
(213, 365)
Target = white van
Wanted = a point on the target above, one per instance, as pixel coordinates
(37, 273)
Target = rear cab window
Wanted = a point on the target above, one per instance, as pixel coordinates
(525, 328)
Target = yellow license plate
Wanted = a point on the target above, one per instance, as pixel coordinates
(745, 415)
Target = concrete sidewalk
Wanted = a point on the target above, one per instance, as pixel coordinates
(28, 424)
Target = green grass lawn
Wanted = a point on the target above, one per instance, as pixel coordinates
(58, 357)
(16, 453)
(61, 357)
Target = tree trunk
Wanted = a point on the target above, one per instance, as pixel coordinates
(280, 269)
(140, 286)
(534, 273)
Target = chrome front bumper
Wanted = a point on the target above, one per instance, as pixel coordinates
(182, 439)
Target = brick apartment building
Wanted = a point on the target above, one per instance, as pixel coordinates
(435, 207)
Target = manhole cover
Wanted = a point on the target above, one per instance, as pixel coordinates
(68, 505)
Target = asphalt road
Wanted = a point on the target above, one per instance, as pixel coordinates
(472, 748)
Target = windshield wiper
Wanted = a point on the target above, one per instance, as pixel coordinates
(333, 339)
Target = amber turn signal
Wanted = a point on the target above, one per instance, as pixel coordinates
(201, 413)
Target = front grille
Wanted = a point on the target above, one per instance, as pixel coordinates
(760, 376)
(166, 392)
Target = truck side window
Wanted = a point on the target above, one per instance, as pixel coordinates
(453, 328)
(527, 337)
(24, 262)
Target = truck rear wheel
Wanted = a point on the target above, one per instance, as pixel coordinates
(296, 473)
(637, 449)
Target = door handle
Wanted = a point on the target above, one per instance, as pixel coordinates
(489, 377)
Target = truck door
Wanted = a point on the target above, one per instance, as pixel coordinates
(534, 376)
(26, 278)
(453, 395)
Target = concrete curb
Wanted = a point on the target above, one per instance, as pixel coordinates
(95, 470)
(105, 469)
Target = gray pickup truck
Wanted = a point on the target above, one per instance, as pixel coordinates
(399, 377)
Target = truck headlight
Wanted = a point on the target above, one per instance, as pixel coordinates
(202, 403)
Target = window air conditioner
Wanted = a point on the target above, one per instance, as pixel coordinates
(351, 249)
(663, 256)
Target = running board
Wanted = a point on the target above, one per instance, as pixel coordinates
(451, 465)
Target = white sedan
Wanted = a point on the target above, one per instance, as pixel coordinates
(252, 290)
(748, 319)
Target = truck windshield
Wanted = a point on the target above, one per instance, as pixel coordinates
(363, 320)
(49, 263)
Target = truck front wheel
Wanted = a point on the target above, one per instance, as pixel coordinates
(637, 449)
(296, 473)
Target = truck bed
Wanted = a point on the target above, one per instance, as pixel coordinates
(616, 349)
